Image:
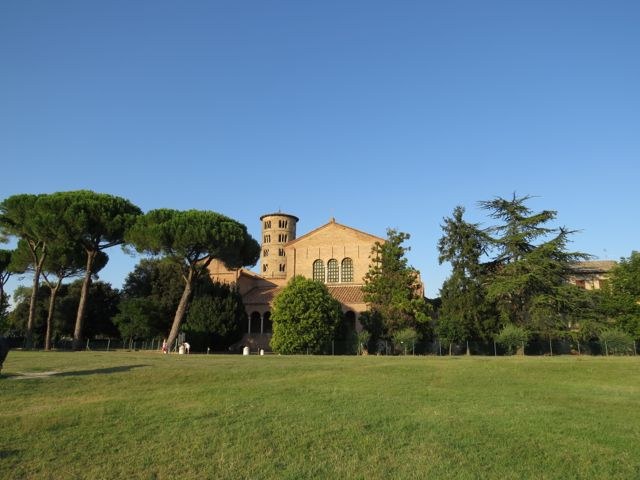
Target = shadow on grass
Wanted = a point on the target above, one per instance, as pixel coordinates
(100, 371)
(8, 453)
(74, 373)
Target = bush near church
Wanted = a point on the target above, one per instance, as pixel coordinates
(513, 337)
(616, 342)
(305, 317)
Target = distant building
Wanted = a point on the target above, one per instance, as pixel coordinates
(591, 275)
(334, 254)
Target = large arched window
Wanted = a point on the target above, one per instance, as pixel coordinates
(349, 320)
(254, 322)
(333, 271)
(268, 324)
(347, 270)
(318, 270)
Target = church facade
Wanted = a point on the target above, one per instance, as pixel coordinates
(335, 254)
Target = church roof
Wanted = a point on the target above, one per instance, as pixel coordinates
(250, 274)
(261, 295)
(347, 294)
(332, 224)
(279, 214)
(594, 266)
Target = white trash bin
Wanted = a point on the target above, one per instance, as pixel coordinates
(245, 351)
(261, 351)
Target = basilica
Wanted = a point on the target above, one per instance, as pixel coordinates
(334, 254)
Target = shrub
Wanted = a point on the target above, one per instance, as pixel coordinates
(363, 342)
(305, 317)
(616, 342)
(382, 347)
(512, 337)
(404, 339)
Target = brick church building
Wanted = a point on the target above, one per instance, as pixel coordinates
(334, 254)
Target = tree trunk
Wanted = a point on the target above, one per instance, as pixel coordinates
(52, 307)
(182, 309)
(84, 293)
(33, 303)
(37, 269)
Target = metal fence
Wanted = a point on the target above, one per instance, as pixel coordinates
(537, 347)
(100, 345)
(532, 348)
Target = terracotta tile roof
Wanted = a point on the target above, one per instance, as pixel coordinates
(261, 295)
(594, 266)
(347, 294)
(279, 214)
(250, 274)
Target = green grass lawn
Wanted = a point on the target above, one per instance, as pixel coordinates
(145, 415)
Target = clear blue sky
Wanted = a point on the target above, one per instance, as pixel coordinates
(381, 114)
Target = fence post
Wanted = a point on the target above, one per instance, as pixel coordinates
(108, 344)
(635, 350)
(495, 349)
(333, 347)
(87, 344)
(550, 346)
(606, 348)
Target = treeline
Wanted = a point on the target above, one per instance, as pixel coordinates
(143, 309)
(66, 234)
(509, 282)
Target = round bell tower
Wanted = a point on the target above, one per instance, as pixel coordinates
(277, 229)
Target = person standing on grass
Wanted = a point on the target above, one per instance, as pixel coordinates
(4, 350)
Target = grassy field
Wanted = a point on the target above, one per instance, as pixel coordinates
(149, 416)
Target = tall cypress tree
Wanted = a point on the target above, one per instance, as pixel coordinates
(392, 287)
(464, 312)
